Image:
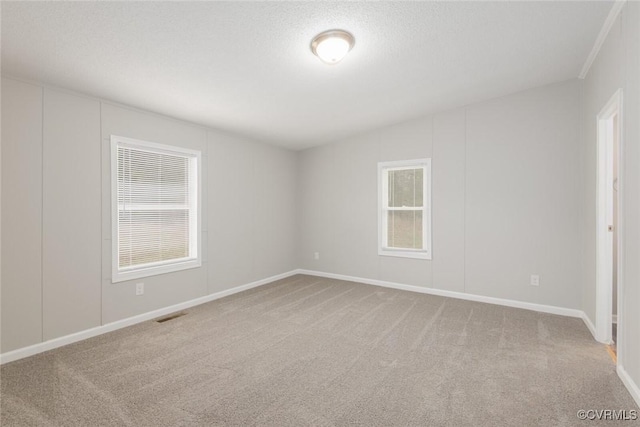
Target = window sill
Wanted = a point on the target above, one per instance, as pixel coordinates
(405, 254)
(154, 271)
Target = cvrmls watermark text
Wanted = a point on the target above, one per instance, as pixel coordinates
(608, 414)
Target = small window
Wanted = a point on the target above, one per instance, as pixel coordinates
(155, 208)
(405, 208)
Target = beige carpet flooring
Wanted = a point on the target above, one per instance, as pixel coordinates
(308, 351)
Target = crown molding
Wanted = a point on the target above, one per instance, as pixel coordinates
(602, 36)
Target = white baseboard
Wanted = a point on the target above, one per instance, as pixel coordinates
(109, 327)
(628, 382)
(570, 312)
(589, 324)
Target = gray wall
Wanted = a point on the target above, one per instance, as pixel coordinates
(507, 199)
(56, 220)
(70, 214)
(22, 224)
(617, 66)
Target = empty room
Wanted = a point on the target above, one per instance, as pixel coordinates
(320, 213)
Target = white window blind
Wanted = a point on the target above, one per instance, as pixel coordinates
(156, 208)
(404, 200)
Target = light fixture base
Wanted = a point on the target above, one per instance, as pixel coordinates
(332, 46)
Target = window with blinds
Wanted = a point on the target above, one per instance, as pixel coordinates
(405, 208)
(155, 208)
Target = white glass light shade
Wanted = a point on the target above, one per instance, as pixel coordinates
(331, 46)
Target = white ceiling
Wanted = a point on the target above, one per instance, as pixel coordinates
(246, 66)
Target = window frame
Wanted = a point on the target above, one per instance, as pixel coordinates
(195, 225)
(383, 208)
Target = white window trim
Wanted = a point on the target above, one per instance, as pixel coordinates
(383, 250)
(121, 275)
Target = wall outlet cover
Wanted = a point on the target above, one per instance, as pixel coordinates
(535, 280)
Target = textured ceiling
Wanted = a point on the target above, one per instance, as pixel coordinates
(246, 66)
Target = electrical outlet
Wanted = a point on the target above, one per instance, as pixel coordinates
(316, 255)
(535, 280)
(139, 288)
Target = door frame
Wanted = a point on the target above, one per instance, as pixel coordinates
(604, 218)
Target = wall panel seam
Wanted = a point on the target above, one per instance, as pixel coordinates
(42, 217)
(101, 219)
(464, 207)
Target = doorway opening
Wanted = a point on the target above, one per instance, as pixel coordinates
(609, 224)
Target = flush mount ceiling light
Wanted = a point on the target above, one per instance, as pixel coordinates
(333, 45)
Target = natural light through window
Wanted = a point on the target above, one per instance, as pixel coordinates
(404, 214)
(155, 208)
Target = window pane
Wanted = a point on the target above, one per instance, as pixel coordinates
(405, 188)
(419, 176)
(154, 219)
(404, 229)
(153, 236)
(152, 178)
